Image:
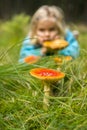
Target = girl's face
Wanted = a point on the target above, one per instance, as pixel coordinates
(46, 30)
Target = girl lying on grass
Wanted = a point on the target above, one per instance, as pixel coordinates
(48, 24)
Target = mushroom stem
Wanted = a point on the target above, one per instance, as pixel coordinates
(47, 92)
(56, 51)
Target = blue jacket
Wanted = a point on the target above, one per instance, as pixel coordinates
(71, 50)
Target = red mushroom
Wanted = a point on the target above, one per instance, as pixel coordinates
(61, 60)
(56, 44)
(31, 59)
(47, 76)
(58, 61)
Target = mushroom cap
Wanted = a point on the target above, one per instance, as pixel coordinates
(61, 59)
(31, 59)
(56, 44)
(68, 58)
(47, 74)
(58, 59)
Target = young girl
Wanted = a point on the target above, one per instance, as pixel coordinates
(48, 24)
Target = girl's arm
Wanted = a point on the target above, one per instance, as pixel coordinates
(73, 48)
(28, 49)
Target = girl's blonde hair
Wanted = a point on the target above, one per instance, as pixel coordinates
(46, 12)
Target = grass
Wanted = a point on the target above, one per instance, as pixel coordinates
(20, 108)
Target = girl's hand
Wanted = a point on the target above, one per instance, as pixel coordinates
(43, 51)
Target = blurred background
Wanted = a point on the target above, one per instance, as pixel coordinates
(75, 10)
(15, 18)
